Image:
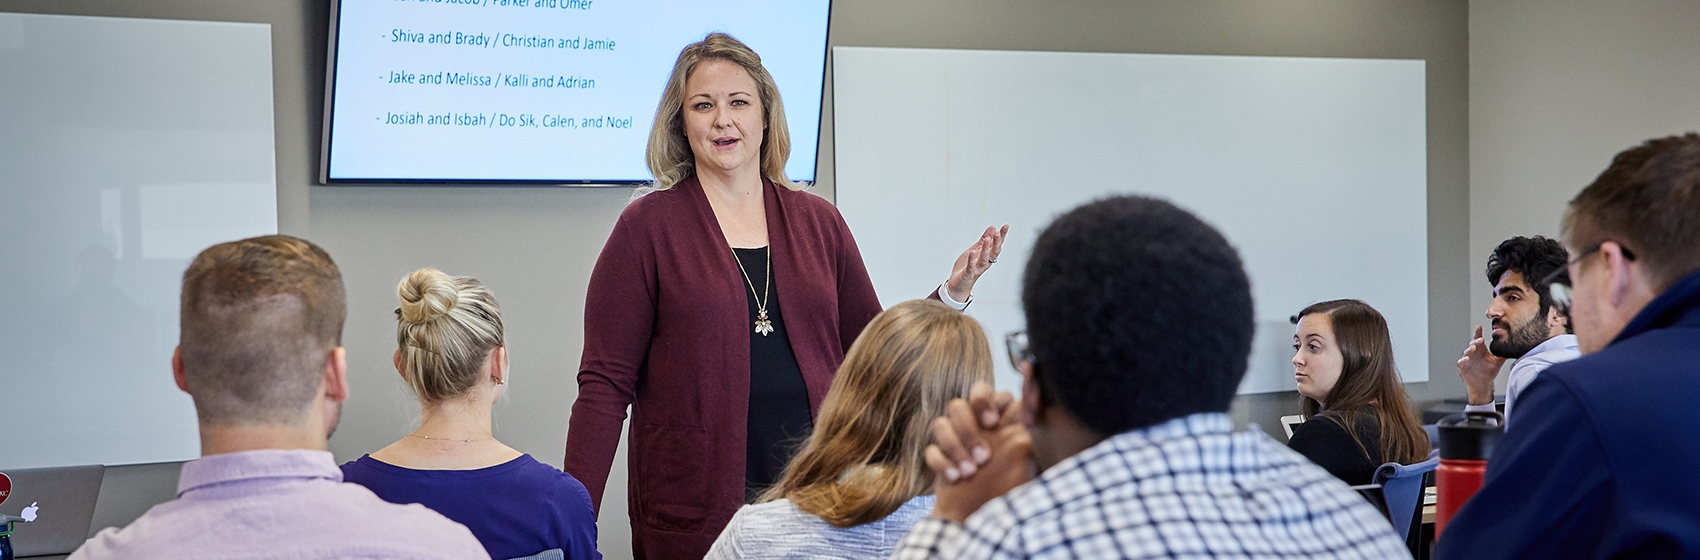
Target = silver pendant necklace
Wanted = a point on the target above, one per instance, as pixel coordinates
(763, 325)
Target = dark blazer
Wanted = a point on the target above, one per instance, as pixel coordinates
(1602, 460)
(666, 331)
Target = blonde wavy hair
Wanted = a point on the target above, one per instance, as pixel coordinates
(669, 153)
(445, 328)
(865, 457)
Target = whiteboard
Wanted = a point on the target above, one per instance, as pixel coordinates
(126, 147)
(1314, 168)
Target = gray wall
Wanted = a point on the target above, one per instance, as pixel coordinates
(1557, 88)
(535, 246)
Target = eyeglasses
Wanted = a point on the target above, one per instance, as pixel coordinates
(1016, 343)
(1561, 292)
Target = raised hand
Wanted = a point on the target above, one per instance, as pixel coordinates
(974, 262)
(1478, 368)
(983, 451)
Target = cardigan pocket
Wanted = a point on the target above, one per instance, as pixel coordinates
(674, 482)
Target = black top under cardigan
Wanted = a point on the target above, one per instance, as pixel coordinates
(779, 419)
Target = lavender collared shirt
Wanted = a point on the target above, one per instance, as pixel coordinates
(278, 504)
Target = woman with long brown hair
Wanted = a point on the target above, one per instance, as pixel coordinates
(862, 481)
(1357, 414)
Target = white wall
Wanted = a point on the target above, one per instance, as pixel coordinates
(1557, 87)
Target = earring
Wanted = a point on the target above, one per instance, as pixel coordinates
(501, 381)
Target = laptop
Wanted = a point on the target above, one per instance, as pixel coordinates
(1290, 422)
(63, 498)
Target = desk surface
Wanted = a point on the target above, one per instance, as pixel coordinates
(1428, 505)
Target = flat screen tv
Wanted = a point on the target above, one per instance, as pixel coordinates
(558, 92)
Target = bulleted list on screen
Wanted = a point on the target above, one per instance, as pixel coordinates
(541, 89)
(419, 54)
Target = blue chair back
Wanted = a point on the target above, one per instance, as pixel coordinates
(1402, 486)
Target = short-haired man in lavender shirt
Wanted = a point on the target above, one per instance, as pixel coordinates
(260, 353)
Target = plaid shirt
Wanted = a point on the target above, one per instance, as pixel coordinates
(1189, 487)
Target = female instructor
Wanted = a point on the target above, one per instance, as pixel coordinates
(721, 305)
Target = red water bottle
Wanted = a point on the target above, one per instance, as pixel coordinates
(1466, 441)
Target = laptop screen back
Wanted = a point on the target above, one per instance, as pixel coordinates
(64, 499)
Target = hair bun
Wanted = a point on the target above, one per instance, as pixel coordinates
(427, 294)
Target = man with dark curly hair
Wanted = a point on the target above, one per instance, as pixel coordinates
(1528, 326)
(1139, 324)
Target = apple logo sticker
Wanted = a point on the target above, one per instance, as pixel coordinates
(29, 513)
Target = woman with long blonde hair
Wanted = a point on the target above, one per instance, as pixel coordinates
(861, 480)
(721, 305)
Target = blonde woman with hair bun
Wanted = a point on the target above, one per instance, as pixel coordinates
(452, 355)
(722, 303)
(862, 480)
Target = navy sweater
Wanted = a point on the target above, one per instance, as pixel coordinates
(1603, 460)
(518, 508)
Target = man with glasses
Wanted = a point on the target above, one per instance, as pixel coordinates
(1528, 326)
(1602, 461)
(1139, 324)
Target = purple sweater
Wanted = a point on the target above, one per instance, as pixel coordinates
(518, 508)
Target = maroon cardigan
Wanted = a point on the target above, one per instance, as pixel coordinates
(667, 331)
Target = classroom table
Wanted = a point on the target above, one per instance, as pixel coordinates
(1428, 505)
(1425, 533)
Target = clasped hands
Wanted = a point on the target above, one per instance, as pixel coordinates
(981, 450)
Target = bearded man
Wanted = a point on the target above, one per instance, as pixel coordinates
(1528, 326)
